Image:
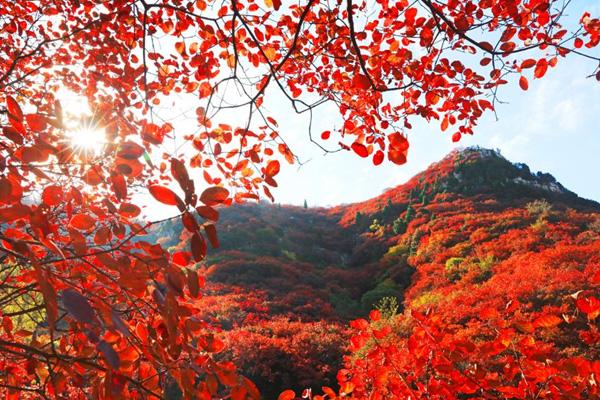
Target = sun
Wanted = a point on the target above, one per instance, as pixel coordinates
(87, 138)
(82, 131)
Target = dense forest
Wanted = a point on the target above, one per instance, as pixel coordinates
(483, 276)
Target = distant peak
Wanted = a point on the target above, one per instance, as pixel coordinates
(473, 171)
(478, 151)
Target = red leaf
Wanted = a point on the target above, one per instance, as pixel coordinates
(52, 195)
(6, 189)
(12, 134)
(165, 195)
(523, 83)
(181, 175)
(49, 295)
(398, 141)
(361, 82)
(541, 68)
(213, 344)
(268, 191)
(208, 213)
(398, 148)
(270, 181)
(36, 122)
(93, 177)
(198, 247)
(528, 63)
(543, 18)
(110, 355)
(176, 280)
(375, 315)
(329, 392)
(410, 14)
(397, 157)
(547, 321)
(58, 113)
(378, 157)
(17, 211)
(189, 222)
(360, 149)
(78, 306)
(426, 36)
(30, 154)
(590, 306)
(211, 232)
(287, 395)
(13, 109)
(360, 324)
(462, 24)
(129, 210)
(119, 186)
(180, 47)
(272, 168)
(346, 388)
(119, 324)
(102, 236)
(214, 195)
(130, 151)
(82, 222)
(181, 258)
(444, 124)
(193, 283)
(382, 333)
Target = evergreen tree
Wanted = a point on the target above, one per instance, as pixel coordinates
(398, 226)
(409, 214)
(388, 211)
(358, 218)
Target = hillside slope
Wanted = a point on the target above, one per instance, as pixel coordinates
(469, 234)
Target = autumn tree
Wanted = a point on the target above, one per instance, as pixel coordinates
(120, 313)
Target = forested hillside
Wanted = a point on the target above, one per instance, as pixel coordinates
(482, 246)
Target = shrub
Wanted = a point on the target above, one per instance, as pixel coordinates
(426, 299)
(388, 307)
(538, 208)
(455, 268)
(386, 288)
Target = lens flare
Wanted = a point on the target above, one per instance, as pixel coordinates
(82, 132)
(87, 138)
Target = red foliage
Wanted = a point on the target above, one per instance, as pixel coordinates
(425, 356)
(121, 314)
(279, 353)
(503, 302)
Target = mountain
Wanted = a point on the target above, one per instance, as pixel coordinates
(469, 233)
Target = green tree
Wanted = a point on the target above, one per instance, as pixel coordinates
(386, 288)
(398, 226)
(358, 217)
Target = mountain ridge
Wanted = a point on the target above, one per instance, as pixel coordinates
(464, 162)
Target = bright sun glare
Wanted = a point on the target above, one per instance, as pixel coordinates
(88, 138)
(83, 134)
